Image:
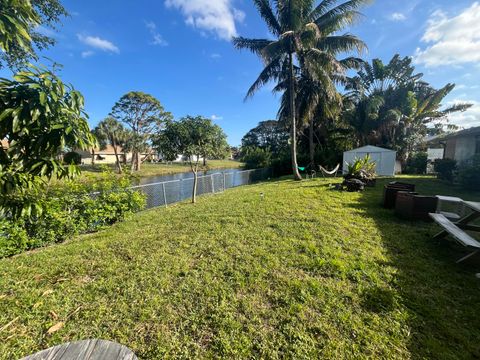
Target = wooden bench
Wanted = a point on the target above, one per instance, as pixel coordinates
(459, 203)
(458, 234)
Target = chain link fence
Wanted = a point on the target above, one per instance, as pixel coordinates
(169, 192)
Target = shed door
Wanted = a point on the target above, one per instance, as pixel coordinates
(375, 157)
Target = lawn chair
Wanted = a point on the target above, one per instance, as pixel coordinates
(326, 173)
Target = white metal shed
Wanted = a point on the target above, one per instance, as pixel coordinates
(384, 158)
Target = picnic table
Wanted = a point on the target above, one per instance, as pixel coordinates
(462, 222)
(93, 349)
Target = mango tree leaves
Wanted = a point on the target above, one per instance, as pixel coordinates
(39, 117)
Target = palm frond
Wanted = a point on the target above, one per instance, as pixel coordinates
(266, 12)
(342, 44)
(254, 45)
(272, 71)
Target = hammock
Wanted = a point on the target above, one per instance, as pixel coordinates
(325, 172)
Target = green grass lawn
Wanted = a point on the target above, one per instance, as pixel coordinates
(148, 169)
(279, 270)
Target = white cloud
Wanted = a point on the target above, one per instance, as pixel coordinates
(466, 119)
(454, 40)
(216, 117)
(215, 16)
(215, 56)
(157, 39)
(98, 43)
(86, 54)
(396, 16)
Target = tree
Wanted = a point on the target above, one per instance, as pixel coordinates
(391, 106)
(267, 135)
(145, 116)
(39, 117)
(191, 137)
(303, 37)
(21, 25)
(319, 102)
(114, 133)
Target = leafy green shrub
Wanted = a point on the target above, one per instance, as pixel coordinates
(469, 175)
(445, 169)
(72, 158)
(417, 163)
(282, 163)
(255, 157)
(13, 238)
(69, 209)
(362, 169)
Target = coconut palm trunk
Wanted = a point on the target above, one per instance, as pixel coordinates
(293, 135)
(311, 143)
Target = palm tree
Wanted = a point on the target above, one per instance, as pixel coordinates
(111, 130)
(303, 42)
(390, 105)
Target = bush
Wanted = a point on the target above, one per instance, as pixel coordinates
(417, 163)
(69, 209)
(282, 164)
(469, 175)
(362, 169)
(72, 158)
(13, 238)
(256, 158)
(445, 169)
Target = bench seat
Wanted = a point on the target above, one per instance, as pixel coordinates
(461, 236)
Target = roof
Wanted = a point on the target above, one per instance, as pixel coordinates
(467, 132)
(370, 149)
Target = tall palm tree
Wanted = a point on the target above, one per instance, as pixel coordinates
(304, 41)
(112, 131)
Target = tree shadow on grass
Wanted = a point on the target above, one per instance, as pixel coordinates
(441, 298)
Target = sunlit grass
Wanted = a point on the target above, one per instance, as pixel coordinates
(279, 270)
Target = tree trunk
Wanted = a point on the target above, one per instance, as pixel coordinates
(134, 155)
(93, 157)
(117, 158)
(138, 161)
(311, 144)
(293, 135)
(195, 178)
(204, 161)
(194, 190)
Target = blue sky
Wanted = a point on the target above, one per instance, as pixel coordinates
(179, 51)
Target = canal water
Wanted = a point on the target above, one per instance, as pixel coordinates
(169, 189)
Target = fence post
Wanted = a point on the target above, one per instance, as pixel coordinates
(164, 195)
(213, 186)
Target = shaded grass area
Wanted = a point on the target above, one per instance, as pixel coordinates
(278, 270)
(150, 169)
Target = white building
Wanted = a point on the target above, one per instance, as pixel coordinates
(385, 159)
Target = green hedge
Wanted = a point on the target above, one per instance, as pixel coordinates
(69, 209)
